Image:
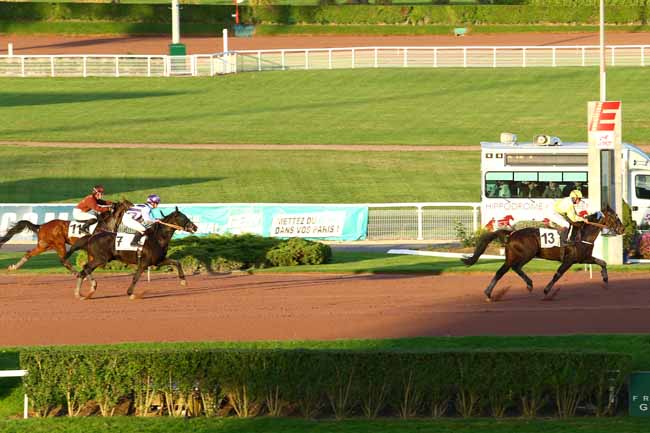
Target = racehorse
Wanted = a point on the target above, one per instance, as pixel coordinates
(54, 234)
(101, 250)
(525, 244)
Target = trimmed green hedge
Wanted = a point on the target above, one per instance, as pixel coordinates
(321, 383)
(225, 253)
(537, 12)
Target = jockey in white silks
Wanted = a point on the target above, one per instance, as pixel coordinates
(139, 217)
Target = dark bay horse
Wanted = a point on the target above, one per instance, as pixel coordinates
(53, 235)
(101, 250)
(525, 244)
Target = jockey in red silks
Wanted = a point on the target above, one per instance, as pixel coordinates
(90, 208)
(139, 217)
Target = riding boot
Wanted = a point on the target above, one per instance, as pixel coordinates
(564, 232)
(136, 240)
(86, 227)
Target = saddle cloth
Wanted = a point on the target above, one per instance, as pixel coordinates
(74, 229)
(123, 242)
(549, 238)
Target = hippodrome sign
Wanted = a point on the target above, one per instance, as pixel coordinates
(602, 123)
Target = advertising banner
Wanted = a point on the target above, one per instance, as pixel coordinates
(325, 222)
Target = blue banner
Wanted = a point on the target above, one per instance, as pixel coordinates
(325, 222)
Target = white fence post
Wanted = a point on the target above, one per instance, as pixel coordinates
(284, 67)
(259, 60)
(524, 58)
(642, 56)
(464, 57)
(306, 59)
(22, 66)
(435, 57)
(420, 236)
(18, 373)
(84, 67)
(613, 56)
(554, 58)
(494, 57)
(475, 218)
(376, 61)
(353, 58)
(52, 66)
(406, 57)
(117, 66)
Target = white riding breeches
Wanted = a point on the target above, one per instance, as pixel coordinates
(80, 215)
(128, 221)
(559, 220)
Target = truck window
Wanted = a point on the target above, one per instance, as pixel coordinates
(642, 186)
(535, 184)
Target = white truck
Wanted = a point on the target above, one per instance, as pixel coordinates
(521, 181)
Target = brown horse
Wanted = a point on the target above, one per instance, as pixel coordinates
(525, 244)
(53, 235)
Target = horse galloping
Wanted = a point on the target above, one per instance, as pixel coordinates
(101, 249)
(525, 244)
(54, 234)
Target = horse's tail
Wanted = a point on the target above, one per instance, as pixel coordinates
(483, 243)
(17, 228)
(79, 245)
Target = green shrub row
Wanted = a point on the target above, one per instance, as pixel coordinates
(216, 253)
(538, 12)
(321, 383)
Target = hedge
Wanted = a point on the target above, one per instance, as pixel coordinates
(537, 12)
(321, 383)
(225, 253)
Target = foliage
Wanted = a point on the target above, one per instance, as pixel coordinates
(81, 258)
(298, 251)
(630, 234)
(319, 383)
(644, 245)
(470, 239)
(224, 253)
(382, 12)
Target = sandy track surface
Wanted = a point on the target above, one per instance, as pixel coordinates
(204, 45)
(42, 309)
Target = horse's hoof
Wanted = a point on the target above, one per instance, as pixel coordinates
(11, 268)
(132, 297)
(488, 299)
(93, 285)
(183, 282)
(529, 288)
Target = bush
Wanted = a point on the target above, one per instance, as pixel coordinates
(319, 383)
(298, 251)
(644, 246)
(469, 239)
(630, 228)
(82, 258)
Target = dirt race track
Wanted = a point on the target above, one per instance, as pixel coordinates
(42, 309)
(205, 45)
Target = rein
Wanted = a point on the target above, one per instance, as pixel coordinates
(602, 226)
(174, 226)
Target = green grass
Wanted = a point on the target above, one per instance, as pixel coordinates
(32, 175)
(293, 425)
(371, 106)
(349, 262)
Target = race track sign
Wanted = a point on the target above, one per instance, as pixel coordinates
(640, 393)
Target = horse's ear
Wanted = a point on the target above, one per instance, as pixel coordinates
(177, 209)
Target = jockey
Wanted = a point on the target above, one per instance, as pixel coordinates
(90, 208)
(139, 217)
(567, 217)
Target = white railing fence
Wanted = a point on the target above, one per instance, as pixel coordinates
(421, 221)
(71, 65)
(18, 373)
(439, 57)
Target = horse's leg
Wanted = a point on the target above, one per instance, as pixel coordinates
(178, 267)
(558, 274)
(603, 267)
(500, 273)
(136, 277)
(518, 269)
(60, 250)
(40, 247)
(86, 273)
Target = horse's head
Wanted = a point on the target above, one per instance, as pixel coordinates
(608, 217)
(180, 219)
